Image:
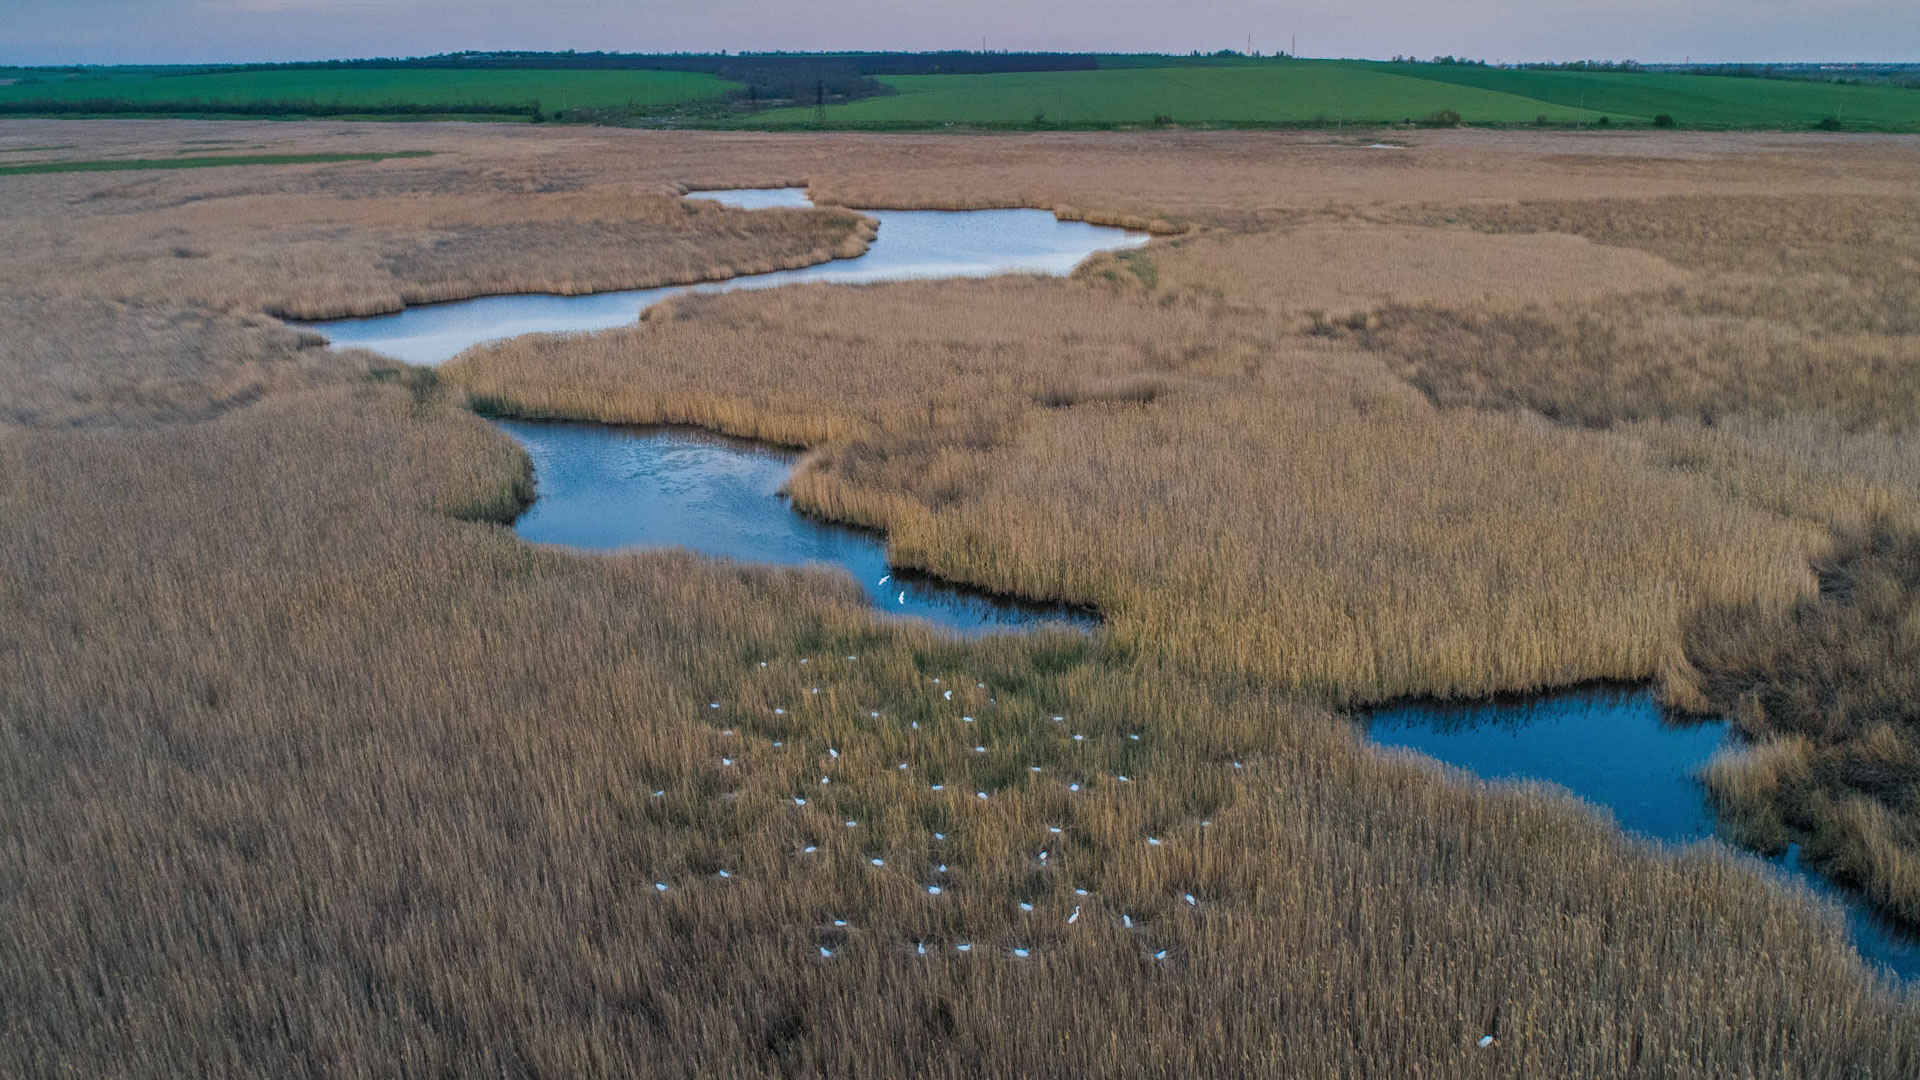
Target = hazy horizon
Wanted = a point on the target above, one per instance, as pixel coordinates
(59, 32)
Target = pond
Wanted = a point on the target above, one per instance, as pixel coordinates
(911, 244)
(1617, 748)
(609, 488)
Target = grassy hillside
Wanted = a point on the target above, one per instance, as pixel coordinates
(1700, 101)
(511, 89)
(1251, 94)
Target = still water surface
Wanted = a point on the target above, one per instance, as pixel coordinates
(608, 488)
(911, 244)
(1617, 748)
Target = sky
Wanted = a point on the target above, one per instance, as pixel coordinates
(215, 31)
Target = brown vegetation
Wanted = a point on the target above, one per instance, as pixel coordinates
(311, 770)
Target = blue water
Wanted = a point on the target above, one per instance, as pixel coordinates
(1617, 748)
(911, 244)
(608, 488)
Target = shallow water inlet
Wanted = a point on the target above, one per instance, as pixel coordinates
(1617, 748)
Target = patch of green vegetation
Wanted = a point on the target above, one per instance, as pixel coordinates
(1247, 93)
(507, 90)
(1690, 101)
(131, 164)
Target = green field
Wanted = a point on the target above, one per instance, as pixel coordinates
(1253, 93)
(510, 89)
(1695, 101)
(131, 164)
(1124, 91)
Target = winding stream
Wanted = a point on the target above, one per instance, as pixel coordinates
(611, 488)
(607, 488)
(1617, 748)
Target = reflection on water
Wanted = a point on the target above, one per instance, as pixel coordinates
(910, 244)
(1617, 748)
(606, 488)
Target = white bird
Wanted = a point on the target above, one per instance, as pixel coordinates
(1073, 787)
(939, 836)
(726, 761)
(949, 694)
(979, 749)
(831, 752)
(826, 953)
(798, 801)
(851, 824)
(725, 874)
(1161, 955)
(902, 766)
(939, 787)
(808, 850)
(1057, 719)
(816, 689)
(826, 780)
(853, 658)
(933, 890)
(979, 686)
(805, 660)
(1043, 855)
(966, 719)
(779, 712)
(763, 663)
(916, 725)
(1153, 841)
(884, 580)
(1237, 765)
(1075, 917)
(963, 947)
(1191, 902)
(902, 597)
(1025, 906)
(1126, 921)
(1079, 737)
(1054, 829)
(979, 794)
(942, 868)
(659, 794)
(1135, 738)
(839, 922)
(777, 744)
(1206, 823)
(1123, 779)
(1033, 768)
(1079, 892)
(920, 947)
(875, 715)
(713, 705)
(1020, 952)
(1486, 1041)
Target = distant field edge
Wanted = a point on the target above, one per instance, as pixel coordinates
(135, 164)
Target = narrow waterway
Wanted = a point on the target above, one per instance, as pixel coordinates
(1617, 748)
(609, 488)
(911, 244)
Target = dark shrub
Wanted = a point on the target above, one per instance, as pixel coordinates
(1663, 120)
(1440, 118)
(1828, 123)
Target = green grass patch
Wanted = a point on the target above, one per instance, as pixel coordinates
(132, 164)
(508, 89)
(1693, 101)
(1275, 93)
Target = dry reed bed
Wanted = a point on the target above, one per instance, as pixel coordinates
(322, 780)
(1272, 508)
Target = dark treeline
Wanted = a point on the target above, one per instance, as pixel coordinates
(1907, 75)
(767, 76)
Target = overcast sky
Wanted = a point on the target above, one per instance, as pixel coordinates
(199, 31)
